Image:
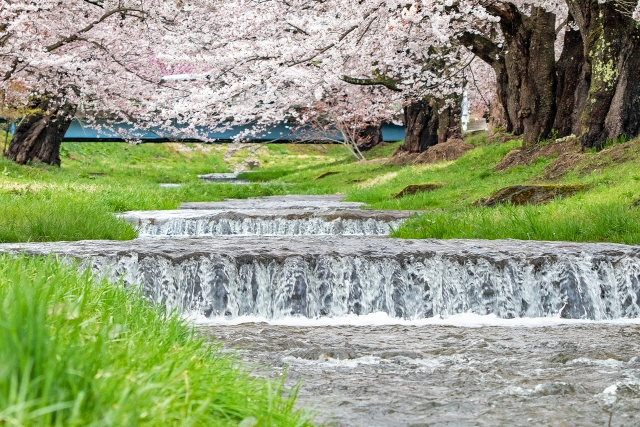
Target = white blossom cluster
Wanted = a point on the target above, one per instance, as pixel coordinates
(243, 61)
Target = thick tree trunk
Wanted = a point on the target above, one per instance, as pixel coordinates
(38, 137)
(612, 53)
(369, 137)
(421, 126)
(530, 64)
(499, 116)
(525, 70)
(449, 125)
(485, 49)
(573, 86)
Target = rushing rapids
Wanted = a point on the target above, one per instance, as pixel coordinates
(390, 332)
(313, 276)
(283, 222)
(405, 375)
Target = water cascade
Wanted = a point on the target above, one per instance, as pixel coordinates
(284, 222)
(313, 276)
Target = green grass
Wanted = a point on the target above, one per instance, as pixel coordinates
(96, 180)
(77, 201)
(604, 222)
(76, 352)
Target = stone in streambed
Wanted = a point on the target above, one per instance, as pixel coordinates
(519, 195)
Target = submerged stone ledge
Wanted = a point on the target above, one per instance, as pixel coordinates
(332, 202)
(287, 222)
(273, 277)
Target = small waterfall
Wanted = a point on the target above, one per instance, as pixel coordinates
(265, 226)
(334, 276)
(289, 222)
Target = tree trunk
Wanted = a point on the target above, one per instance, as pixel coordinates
(612, 53)
(499, 116)
(573, 87)
(530, 64)
(421, 126)
(485, 49)
(369, 137)
(525, 70)
(38, 137)
(449, 125)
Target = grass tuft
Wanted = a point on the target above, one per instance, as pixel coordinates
(96, 180)
(78, 352)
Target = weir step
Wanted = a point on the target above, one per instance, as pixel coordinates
(284, 222)
(312, 276)
(305, 202)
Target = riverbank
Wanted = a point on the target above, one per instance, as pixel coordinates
(77, 201)
(80, 352)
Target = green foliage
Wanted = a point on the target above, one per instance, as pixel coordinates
(610, 143)
(76, 352)
(557, 221)
(77, 201)
(477, 138)
(98, 179)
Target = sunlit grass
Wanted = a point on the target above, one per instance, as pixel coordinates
(76, 352)
(99, 179)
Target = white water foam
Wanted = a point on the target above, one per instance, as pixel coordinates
(466, 320)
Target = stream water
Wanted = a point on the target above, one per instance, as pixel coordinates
(439, 375)
(391, 332)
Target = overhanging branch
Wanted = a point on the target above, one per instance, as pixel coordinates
(381, 80)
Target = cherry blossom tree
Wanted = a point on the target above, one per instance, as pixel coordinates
(95, 55)
(549, 76)
(259, 63)
(273, 68)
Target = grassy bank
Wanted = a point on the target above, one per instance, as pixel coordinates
(79, 353)
(77, 201)
(96, 180)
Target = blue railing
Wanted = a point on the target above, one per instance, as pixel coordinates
(79, 132)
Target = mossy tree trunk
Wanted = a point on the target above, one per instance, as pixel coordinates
(421, 126)
(38, 137)
(612, 52)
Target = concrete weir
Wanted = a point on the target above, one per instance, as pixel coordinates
(282, 222)
(312, 276)
(276, 216)
(304, 202)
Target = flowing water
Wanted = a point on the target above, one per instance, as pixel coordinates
(390, 332)
(312, 276)
(438, 375)
(282, 222)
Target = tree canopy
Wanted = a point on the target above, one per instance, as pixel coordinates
(552, 67)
